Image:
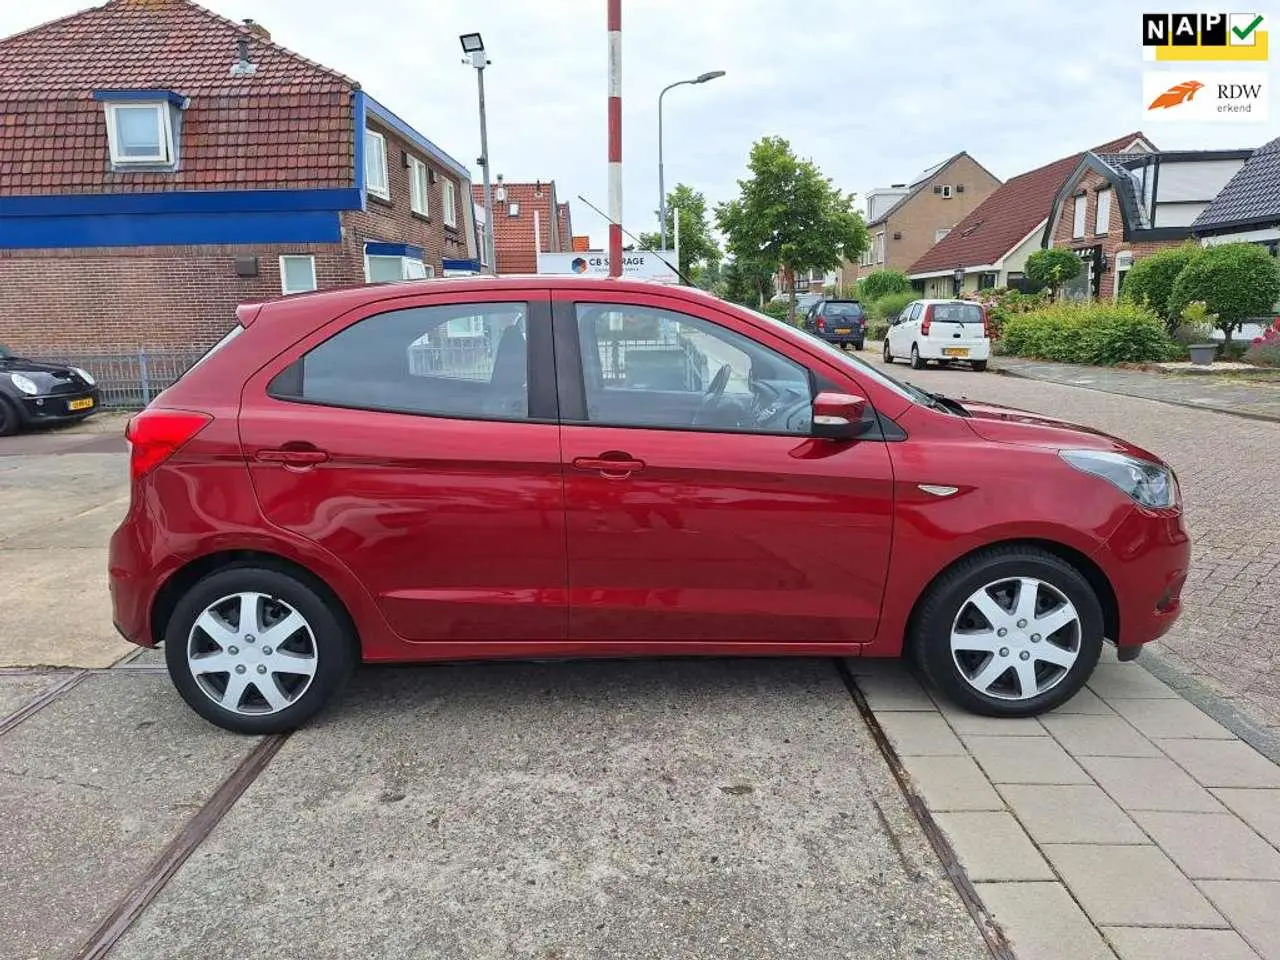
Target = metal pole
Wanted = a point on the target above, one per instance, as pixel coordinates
(662, 189)
(675, 217)
(488, 190)
(615, 138)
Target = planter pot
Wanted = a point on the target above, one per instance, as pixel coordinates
(1203, 353)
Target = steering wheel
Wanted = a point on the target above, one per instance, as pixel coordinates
(714, 391)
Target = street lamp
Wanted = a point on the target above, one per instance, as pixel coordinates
(473, 47)
(662, 190)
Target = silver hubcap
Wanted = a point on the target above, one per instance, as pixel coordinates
(1015, 639)
(252, 654)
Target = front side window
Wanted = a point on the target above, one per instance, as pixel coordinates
(449, 200)
(140, 133)
(297, 274)
(375, 165)
(647, 367)
(419, 187)
(465, 360)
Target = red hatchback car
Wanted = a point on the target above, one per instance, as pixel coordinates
(520, 467)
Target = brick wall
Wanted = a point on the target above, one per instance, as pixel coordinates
(1112, 241)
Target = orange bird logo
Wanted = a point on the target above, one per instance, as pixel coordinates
(1177, 95)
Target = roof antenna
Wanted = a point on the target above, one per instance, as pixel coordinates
(243, 68)
(674, 269)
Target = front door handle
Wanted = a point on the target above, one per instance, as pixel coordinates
(615, 465)
(290, 456)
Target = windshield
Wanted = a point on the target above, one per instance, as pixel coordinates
(956, 313)
(861, 367)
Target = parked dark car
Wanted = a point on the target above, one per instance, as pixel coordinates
(837, 321)
(34, 393)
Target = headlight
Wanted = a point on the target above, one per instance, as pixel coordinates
(25, 384)
(84, 375)
(1151, 484)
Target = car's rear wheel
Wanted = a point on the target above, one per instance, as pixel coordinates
(917, 363)
(257, 651)
(888, 355)
(858, 345)
(9, 421)
(1011, 631)
(979, 366)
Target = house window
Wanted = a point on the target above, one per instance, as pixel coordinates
(513, 209)
(384, 269)
(449, 199)
(879, 248)
(1103, 216)
(1077, 227)
(940, 233)
(375, 165)
(419, 184)
(140, 133)
(946, 191)
(297, 274)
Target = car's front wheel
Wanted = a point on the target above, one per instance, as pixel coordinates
(1011, 631)
(257, 651)
(9, 420)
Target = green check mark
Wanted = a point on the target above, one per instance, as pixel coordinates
(1249, 29)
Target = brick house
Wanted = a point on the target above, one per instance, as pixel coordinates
(1247, 208)
(990, 246)
(160, 164)
(905, 220)
(522, 211)
(1115, 209)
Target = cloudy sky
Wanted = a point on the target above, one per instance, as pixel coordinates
(872, 90)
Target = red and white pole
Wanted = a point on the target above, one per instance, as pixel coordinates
(615, 138)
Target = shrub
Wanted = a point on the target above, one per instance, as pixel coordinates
(1095, 333)
(1236, 281)
(1264, 351)
(1001, 303)
(778, 309)
(890, 305)
(877, 329)
(880, 283)
(1150, 280)
(1052, 268)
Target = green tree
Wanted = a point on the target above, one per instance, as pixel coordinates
(878, 283)
(1150, 280)
(1236, 281)
(747, 282)
(697, 245)
(1052, 268)
(789, 216)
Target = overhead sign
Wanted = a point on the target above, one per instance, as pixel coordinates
(636, 264)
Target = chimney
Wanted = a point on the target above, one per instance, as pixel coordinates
(257, 29)
(243, 67)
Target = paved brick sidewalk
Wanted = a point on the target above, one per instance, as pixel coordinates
(1238, 395)
(1126, 825)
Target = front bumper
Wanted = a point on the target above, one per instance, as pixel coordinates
(59, 407)
(1147, 560)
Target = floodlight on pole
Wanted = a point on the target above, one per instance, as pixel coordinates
(473, 46)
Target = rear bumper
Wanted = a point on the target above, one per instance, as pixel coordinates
(132, 584)
(857, 336)
(1147, 560)
(935, 349)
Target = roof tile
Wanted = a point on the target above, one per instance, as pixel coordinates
(513, 236)
(1253, 194)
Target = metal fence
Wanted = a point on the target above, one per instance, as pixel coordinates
(622, 361)
(126, 381)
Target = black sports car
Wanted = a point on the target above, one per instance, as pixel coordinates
(34, 393)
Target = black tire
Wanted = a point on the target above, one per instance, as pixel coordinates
(888, 357)
(979, 366)
(916, 362)
(859, 345)
(10, 421)
(929, 642)
(335, 647)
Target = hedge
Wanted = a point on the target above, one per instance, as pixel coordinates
(890, 305)
(1094, 333)
(1150, 280)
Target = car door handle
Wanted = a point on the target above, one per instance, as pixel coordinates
(615, 466)
(307, 456)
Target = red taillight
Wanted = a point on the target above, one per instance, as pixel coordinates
(822, 324)
(983, 312)
(928, 319)
(155, 435)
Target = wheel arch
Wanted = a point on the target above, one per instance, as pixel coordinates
(1086, 567)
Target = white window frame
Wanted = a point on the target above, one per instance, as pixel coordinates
(406, 273)
(419, 187)
(1079, 216)
(946, 191)
(513, 209)
(165, 123)
(284, 276)
(449, 200)
(382, 189)
(880, 247)
(940, 233)
(1102, 217)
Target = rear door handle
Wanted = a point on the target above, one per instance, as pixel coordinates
(615, 466)
(292, 456)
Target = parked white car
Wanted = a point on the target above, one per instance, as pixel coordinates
(941, 330)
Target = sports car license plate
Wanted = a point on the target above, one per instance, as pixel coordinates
(955, 351)
(84, 403)
(843, 330)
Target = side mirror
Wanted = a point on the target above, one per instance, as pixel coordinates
(838, 416)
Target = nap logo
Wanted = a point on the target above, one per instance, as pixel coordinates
(1204, 36)
(1214, 96)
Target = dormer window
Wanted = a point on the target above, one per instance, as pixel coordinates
(142, 127)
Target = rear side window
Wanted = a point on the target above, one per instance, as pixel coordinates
(467, 361)
(956, 313)
(226, 338)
